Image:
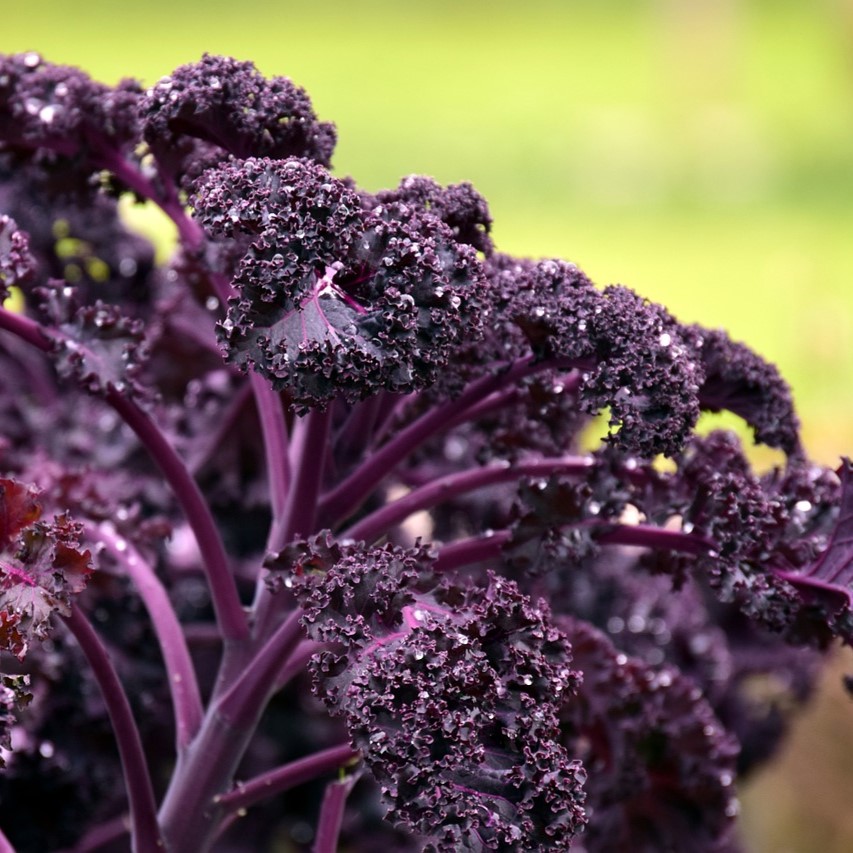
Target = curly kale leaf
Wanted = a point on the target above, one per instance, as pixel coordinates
(780, 547)
(206, 110)
(60, 109)
(17, 264)
(41, 567)
(333, 299)
(661, 766)
(95, 346)
(452, 695)
(631, 351)
(459, 206)
(739, 380)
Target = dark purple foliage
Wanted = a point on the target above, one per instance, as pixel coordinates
(739, 380)
(204, 112)
(631, 353)
(16, 262)
(452, 695)
(94, 345)
(661, 766)
(298, 525)
(334, 299)
(56, 110)
(459, 206)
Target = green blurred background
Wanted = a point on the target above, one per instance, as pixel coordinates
(700, 151)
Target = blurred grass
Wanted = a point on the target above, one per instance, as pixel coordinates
(699, 152)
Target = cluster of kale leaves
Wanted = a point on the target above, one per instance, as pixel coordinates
(301, 519)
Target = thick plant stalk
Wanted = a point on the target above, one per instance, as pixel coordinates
(478, 549)
(190, 813)
(193, 809)
(274, 431)
(308, 450)
(253, 687)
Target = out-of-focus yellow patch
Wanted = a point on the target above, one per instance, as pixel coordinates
(148, 220)
(15, 302)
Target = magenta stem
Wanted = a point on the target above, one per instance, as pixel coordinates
(297, 661)
(274, 432)
(332, 815)
(251, 690)
(224, 424)
(648, 536)
(372, 526)
(308, 455)
(349, 494)
(288, 776)
(145, 830)
(105, 833)
(183, 685)
(308, 449)
(189, 231)
(357, 430)
(25, 328)
(223, 589)
(192, 811)
(190, 815)
(478, 549)
(508, 396)
(811, 586)
(467, 552)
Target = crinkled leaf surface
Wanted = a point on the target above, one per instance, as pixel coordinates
(41, 567)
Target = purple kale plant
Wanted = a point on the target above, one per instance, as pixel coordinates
(299, 547)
